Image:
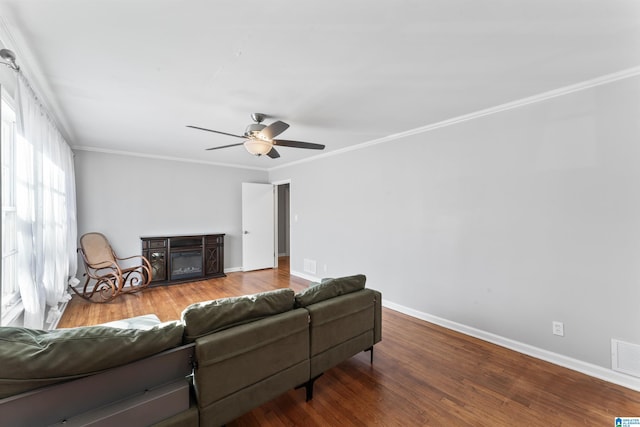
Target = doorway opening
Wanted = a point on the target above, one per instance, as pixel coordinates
(283, 224)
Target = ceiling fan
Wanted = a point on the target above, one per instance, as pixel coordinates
(259, 138)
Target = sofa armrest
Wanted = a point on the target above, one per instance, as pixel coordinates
(343, 326)
(246, 365)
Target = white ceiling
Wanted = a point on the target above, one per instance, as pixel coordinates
(129, 75)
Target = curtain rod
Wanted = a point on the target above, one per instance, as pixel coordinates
(10, 57)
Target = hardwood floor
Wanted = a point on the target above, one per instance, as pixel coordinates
(422, 374)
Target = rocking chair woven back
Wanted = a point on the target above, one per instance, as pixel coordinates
(97, 250)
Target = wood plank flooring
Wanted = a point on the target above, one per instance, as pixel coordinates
(422, 374)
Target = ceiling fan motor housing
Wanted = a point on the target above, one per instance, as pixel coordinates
(253, 129)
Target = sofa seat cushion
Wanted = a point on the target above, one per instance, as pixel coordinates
(330, 288)
(207, 317)
(31, 358)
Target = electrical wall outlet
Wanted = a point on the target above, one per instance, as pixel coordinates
(310, 266)
(558, 328)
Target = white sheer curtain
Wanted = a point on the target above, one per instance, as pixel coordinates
(46, 210)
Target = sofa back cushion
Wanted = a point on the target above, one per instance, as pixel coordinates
(330, 288)
(211, 316)
(31, 358)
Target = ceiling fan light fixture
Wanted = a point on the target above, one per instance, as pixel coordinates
(259, 138)
(258, 147)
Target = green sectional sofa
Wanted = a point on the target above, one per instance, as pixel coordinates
(222, 359)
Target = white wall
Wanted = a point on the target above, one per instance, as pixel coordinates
(126, 197)
(503, 223)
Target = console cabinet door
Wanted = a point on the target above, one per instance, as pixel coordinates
(214, 254)
(155, 251)
(158, 260)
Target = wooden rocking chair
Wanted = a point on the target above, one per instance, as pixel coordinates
(111, 279)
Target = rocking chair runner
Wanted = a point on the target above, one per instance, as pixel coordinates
(111, 279)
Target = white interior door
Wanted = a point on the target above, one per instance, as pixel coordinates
(258, 235)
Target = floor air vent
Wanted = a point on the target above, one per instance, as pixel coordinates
(625, 357)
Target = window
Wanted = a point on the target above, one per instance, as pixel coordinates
(10, 302)
(38, 213)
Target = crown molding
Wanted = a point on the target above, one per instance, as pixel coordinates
(158, 157)
(566, 90)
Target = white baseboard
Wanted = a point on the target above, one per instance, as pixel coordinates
(555, 358)
(305, 276)
(232, 270)
(54, 322)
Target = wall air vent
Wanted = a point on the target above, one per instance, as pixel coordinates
(625, 357)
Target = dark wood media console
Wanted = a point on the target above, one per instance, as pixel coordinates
(176, 259)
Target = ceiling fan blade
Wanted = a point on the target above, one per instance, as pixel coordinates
(273, 153)
(225, 146)
(215, 131)
(297, 144)
(273, 130)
